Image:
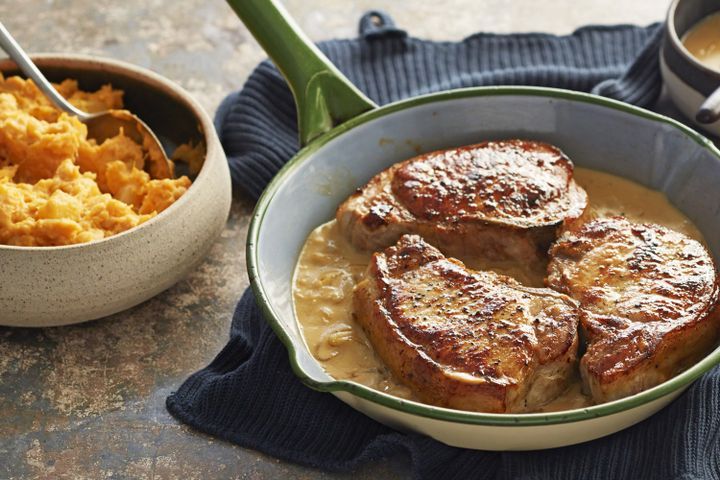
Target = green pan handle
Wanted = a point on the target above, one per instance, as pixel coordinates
(323, 95)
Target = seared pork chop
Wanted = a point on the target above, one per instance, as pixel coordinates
(497, 200)
(466, 339)
(648, 296)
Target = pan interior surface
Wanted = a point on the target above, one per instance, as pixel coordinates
(595, 133)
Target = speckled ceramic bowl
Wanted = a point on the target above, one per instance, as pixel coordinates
(47, 286)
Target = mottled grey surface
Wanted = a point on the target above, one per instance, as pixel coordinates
(88, 401)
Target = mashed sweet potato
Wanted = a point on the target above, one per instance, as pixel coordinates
(57, 187)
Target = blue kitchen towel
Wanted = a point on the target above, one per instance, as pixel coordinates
(249, 395)
(257, 124)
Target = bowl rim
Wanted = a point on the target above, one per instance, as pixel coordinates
(160, 82)
(678, 44)
(429, 411)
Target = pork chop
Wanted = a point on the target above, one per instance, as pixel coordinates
(495, 200)
(648, 296)
(466, 339)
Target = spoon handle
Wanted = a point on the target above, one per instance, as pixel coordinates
(709, 111)
(14, 51)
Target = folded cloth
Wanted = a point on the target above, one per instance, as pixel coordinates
(257, 125)
(249, 395)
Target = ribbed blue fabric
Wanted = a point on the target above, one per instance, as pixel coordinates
(257, 125)
(249, 395)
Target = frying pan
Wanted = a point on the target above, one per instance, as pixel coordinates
(347, 139)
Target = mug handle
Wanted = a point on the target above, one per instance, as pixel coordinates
(709, 111)
(324, 97)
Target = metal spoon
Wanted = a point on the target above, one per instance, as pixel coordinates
(709, 111)
(101, 125)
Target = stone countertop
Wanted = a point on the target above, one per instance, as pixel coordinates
(88, 401)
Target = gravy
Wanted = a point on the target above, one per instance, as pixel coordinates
(703, 41)
(329, 267)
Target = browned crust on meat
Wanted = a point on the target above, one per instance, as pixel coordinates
(502, 199)
(649, 297)
(517, 182)
(464, 339)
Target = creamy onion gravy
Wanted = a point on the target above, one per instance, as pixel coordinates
(329, 267)
(703, 41)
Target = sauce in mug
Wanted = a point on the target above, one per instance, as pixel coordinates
(703, 41)
(329, 268)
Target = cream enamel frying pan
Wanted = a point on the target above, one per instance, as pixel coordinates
(345, 142)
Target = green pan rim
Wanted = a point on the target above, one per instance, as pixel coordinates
(429, 411)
